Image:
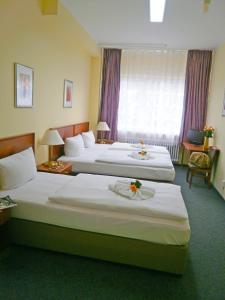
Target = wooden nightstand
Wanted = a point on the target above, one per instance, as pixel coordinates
(4, 235)
(104, 141)
(66, 169)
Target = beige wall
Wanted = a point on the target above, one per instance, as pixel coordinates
(57, 48)
(215, 117)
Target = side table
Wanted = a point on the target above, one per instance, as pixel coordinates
(65, 168)
(5, 215)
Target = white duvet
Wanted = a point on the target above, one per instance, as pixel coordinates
(156, 160)
(137, 147)
(91, 191)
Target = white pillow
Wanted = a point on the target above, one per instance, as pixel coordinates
(17, 169)
(74, 146)
(89, 139)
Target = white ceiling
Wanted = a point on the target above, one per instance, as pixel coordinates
(124, 22)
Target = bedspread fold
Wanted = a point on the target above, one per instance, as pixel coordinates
(166, 203)
(155, 160)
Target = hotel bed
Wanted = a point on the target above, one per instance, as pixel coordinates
(115, 159)
(91, 161)
(156, 241)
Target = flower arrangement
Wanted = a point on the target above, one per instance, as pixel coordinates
(209, 131)
(142, 143)
(135, 185)
(142, 153)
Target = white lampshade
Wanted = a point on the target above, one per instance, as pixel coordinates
(103, 126)
(52, 137)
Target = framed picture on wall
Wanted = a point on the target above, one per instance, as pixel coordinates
(223, 109)
(68, 93)
(23, 86)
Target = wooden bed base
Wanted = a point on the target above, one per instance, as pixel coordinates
(160, 257)
(167, 258)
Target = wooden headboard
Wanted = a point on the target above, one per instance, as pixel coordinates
(15, 144)
(65, 132)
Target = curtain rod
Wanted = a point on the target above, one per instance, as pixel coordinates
(148, 46)
(132, 46)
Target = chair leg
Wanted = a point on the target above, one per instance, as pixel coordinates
(208, 180)
(187, 176)
(190, 181)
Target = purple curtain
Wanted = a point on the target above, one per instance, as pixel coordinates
(196, 90)
(110, 91)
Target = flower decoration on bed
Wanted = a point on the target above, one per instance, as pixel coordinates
(141, 155)
(142, 143)
(209, 131)
(6, 202)
(135, 186)
(133, 190)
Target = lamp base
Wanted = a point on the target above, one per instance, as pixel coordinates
(54, 164)
(101, 141)
(104, 141)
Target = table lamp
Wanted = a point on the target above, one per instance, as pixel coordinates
(102, 126)
(51, 138)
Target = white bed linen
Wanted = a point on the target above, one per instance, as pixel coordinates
(32, 199)
(156, 160)
(132, 147)
(86, 163)
(92, 191)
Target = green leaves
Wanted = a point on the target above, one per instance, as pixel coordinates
(137, 183)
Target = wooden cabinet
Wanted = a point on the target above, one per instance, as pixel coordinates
(4, 235)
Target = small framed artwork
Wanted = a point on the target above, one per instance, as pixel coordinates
(68, 93)
(223, 109)
(23, 86)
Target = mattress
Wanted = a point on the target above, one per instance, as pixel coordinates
(87, 163)
(33, 204)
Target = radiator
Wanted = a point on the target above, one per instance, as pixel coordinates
(173, 149)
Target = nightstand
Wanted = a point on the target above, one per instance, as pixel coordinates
(104, 141)
(66, 168)
(4, 235)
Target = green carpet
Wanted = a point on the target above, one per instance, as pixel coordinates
(27, 273)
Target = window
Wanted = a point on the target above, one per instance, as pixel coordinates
(151, 95)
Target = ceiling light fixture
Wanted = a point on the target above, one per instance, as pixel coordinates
(157, 8)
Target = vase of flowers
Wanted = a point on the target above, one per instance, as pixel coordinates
(208, 134)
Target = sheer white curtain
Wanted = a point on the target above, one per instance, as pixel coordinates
(151, 96)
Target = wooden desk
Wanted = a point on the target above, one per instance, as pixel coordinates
(191, 148)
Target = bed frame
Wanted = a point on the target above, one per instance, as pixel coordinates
(73, 130)
(167, 258)
(65, 132)
(15, 144)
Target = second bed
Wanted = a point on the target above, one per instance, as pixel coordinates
(115, 159)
